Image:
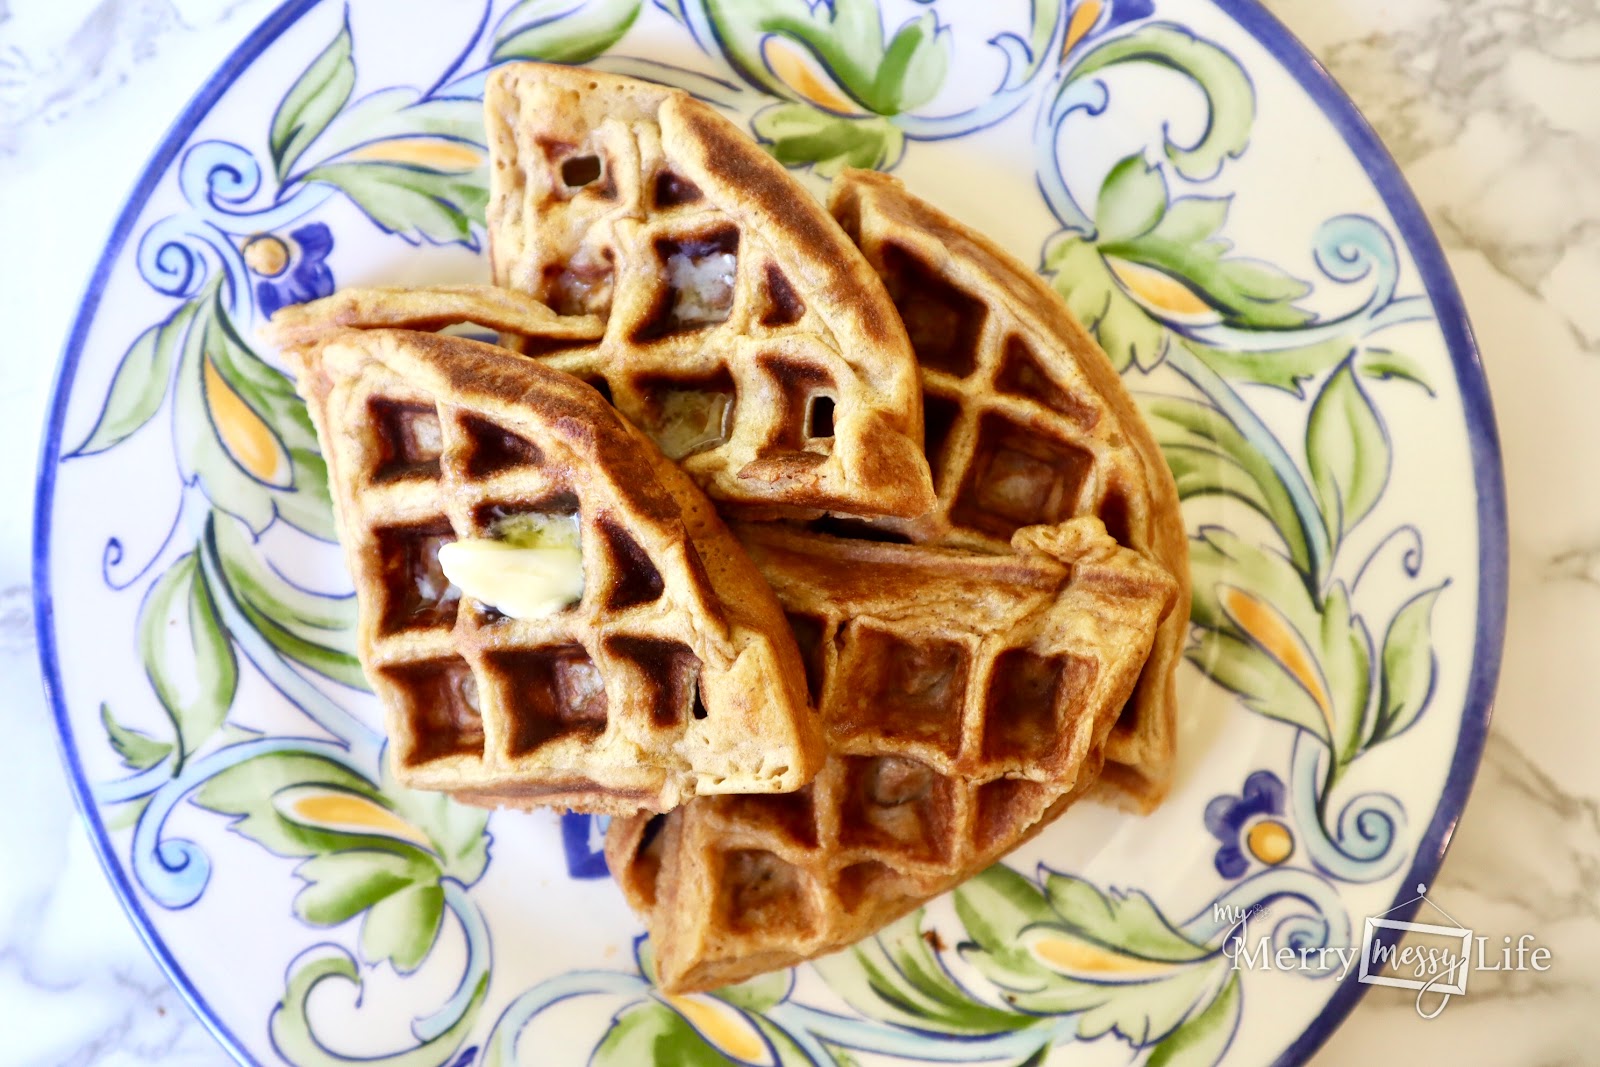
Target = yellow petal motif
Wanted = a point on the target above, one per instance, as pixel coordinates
(728, 1030)
(800, 71)
(1270, 842)
(1090, 962)
(1083, 19)
(431, 152)
(1267, 627)
(247, 439)
(321, 807)
(1162, 293)
(267, 255)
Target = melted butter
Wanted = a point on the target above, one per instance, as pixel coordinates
(531, 568)
(535, 530)
(691, 421)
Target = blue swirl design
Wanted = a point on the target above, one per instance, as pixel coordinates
(114, 554)
(218, 180)
(177, 254)
(473, 975)
(1347, 249)
(1410, 559)
(502, 1044)
(1023, 72)
(1360, 846)
(1310, 912)
(175, 871)
(1067, 96)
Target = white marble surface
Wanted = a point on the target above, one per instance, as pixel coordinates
(1493, 109)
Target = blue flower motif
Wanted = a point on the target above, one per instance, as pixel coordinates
(1246, 827)
(1129, 11)
(292, 270)
(583, 840)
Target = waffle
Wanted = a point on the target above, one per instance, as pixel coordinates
(743, 331)
(431, 308)
(965, 698)
(672, 675)
(1027, 422)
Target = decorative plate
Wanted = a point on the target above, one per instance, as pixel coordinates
(1209, 204)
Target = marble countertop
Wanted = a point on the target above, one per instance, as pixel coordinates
(1492, 108)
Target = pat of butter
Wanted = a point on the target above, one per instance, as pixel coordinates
(528, 575)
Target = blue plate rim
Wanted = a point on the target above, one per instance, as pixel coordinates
(1380, 167)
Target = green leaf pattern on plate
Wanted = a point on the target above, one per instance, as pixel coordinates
(139, 751)
(562, 31)
(312, 103)
(189, 660)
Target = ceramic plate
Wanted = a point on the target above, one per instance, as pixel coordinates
(1211, 207)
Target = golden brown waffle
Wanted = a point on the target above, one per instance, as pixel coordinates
(433, 308)
(1027, 422)
(744, 332)
(673, 675)
(963, 696)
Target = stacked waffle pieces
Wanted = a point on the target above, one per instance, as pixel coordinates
(956, 588)
(1027, 423)
(742, 330)
(962, 696)
(672, 674)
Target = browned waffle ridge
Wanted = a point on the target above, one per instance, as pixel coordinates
(431, 308)
(674, 675)
(743, 331)
(964, 698)
(1027, 422)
